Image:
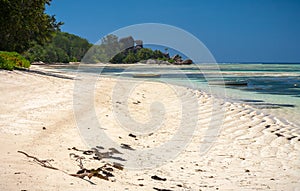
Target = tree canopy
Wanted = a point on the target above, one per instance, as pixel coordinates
(64, 47)
(24, 23)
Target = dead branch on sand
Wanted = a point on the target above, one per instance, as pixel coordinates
(103, 172)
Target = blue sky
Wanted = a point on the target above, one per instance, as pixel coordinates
(233, 30)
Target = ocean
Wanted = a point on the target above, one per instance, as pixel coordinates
(273, 88)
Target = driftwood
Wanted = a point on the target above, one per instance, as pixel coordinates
(43, 163)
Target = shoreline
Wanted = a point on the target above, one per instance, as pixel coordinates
(253, 151)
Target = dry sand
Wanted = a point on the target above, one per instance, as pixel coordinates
(251, 152)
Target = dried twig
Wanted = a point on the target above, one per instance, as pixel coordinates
(43, 163)
(78, 158)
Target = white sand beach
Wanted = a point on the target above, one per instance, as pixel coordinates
(252, 151)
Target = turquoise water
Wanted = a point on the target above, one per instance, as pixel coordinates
(272, 88)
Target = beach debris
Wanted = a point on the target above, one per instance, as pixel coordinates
(104, 172)
(100, 172)
(75, 149)
(132, 135)
(199, 170)
(87, 152)
(136, 102)
(246, 170)
(279, 135)
(267, 126)
(99, 147)
(100, 155)
(115, 151)
(78, 158)
(158, 178)
(44, 128)
(109, 169)
(290, 138)
(161, 189)
(43, 163)
(126, 146)
(118, 166)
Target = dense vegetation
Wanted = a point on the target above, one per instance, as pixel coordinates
(12, 60)
(24, 23)
(133, 56)
(63, 48)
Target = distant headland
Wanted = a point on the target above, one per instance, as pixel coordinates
(133, 51)
(127, 50)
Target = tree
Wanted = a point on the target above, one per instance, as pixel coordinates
(144, 54)
(64, 47)
(23, 23)
(130, 58)
(118, 58)
(158, 54)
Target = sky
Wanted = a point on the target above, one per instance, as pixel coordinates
(233, 30)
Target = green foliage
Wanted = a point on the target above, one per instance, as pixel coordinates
(133, 56)
(6, 64)
(130, 58)
(170, 60)
(158, 54)
(144, 54)
(118, 58)
(12, 60)
(63, 48)
(24, 22)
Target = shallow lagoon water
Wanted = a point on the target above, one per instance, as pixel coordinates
(273, 88)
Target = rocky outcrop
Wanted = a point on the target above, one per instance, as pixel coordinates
(178, 60)
(138, 44)
(186, 62)
(127, 42)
